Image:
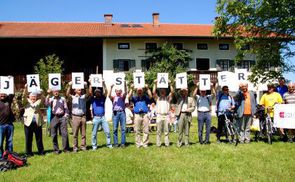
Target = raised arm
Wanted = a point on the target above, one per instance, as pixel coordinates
(196, 89)
(130, 91)
(170, 96)
(213, 89)
(47, 99)
(155, 90)
(86, 89)
(105, 93)
(148, 91)
(90, 91)
(110, 91)
(25, 95)
(68, 93)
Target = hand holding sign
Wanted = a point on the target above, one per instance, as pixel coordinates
(54, 81)
(96, 80)
(119, 80)
(138, 80)
(162, 81)
(181, 80)
(33, 82)
(7, 85)
(78, 80)
(204, 82)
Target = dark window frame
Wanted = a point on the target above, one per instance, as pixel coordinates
(222, 47)
(122, 44)
(202, 46)
(151, 43)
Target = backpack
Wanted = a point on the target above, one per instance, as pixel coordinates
(6, 165)
(15, 158)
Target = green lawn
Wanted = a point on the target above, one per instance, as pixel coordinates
(216, 162)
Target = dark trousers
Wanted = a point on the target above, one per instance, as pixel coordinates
(29, 131)
(221, 125)
(55, 123)
(204, 117)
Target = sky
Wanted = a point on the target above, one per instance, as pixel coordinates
(137, 11)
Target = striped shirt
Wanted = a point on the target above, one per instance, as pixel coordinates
(289, 98)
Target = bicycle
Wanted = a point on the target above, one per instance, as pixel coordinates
(265, 123)
(231, 128)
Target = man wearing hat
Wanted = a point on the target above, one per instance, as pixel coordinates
(78, 115)
(268, 100)
(33, 121)
(141, 119)
(185, 107)
(204, 104)
(6, 122)
(98, 100)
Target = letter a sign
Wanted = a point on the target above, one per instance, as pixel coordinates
(54, 81)
(33, 82)
(78, 80)
(162, 80)
(7, 85)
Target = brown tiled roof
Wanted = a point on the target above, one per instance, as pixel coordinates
(44, 29)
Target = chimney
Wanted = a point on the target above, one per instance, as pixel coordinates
(156, 21)
(108, 19)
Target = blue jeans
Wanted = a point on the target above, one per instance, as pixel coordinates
(6, 131)
(119, 117)
(96, 122)
(204, 117)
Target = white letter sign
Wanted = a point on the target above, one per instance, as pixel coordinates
(96, 80)
(119, 80)
(78, 80)
(138, 79)
(33, 82)
(205, 82)
(162, 80)
(54, 81)
(7, 85)
(181, 80)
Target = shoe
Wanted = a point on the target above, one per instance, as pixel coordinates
(218, 141)
(67, 151)
(138, 146)
(207, 142)
(145, 146)
(41, 153)
(110, 146)
(247, 141)
(201, 142)
(30, 154)
(116, 145)
(290, 140)
(94, 149)
(57, 152)
(83, 148)
(122, 145)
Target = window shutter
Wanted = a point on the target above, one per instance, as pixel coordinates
(131, 64)
(143, 65)
(116, 65)
(252, 63)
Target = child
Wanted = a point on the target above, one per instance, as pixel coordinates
(152, 114)
(129, 117)
(172, 118)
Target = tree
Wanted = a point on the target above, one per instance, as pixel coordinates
(46, 65)
(166, 59)
(267, 26)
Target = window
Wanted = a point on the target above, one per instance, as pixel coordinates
(123, 65)
(178, 46)
(202, 46)
(150, 46)
(225, 64)
(145, 65)
(203, 64)
(246, 64)
(245, 47)
(123, 46)
(223, 46)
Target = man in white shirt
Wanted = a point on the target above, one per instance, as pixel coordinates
(204, 102)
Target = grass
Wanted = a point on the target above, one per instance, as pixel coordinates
(216, 162)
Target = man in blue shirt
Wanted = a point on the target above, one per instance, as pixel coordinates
(141, 120)
(282, 87)
(224, 104)
(98, 111)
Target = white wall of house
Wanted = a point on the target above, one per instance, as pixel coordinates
(137, 52)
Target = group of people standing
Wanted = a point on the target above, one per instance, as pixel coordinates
(243, 103)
